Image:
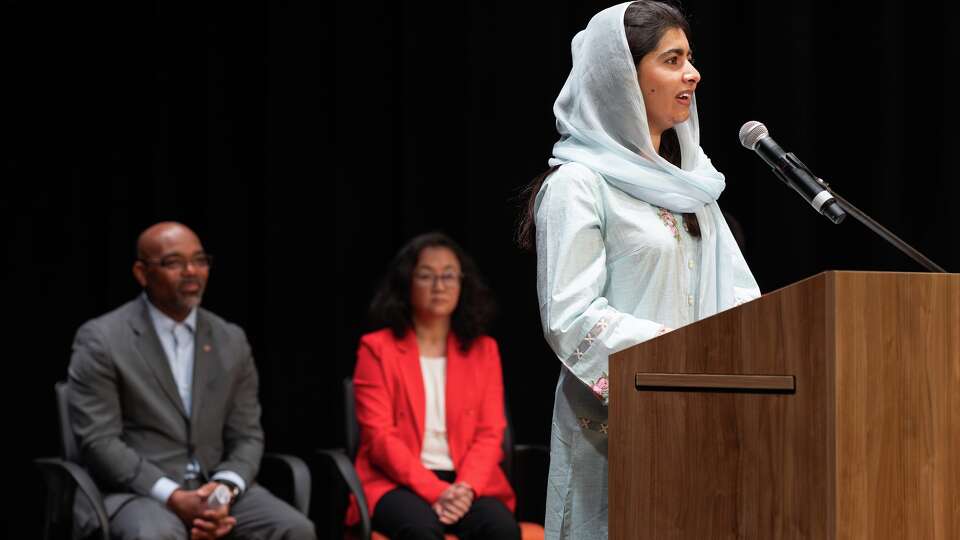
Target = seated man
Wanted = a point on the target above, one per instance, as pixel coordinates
(163, 400)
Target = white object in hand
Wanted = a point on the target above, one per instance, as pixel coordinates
(219, 497)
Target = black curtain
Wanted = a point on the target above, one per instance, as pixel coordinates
(305, 142)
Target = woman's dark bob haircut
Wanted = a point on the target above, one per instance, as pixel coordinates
(391, 302)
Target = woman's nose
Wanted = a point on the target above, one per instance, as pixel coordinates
(691, 75)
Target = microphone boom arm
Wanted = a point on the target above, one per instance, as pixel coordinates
(882, 232)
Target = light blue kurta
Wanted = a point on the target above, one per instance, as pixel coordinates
(612, 271)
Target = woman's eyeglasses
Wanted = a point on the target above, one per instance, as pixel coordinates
(429, 279)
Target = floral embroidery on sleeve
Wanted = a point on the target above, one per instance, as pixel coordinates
(590, 365)
(670, 221)
(588, 340)
(601, 386)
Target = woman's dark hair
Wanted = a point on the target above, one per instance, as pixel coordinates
(644, 23)
(391, 307)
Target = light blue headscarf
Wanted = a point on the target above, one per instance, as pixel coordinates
(602, 123)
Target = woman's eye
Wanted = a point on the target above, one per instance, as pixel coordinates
(672, 60)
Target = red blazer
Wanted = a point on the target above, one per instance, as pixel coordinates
(390, 408)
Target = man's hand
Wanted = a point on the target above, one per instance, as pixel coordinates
(204, 523)
(454, 503)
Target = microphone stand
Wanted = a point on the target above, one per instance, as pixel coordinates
(884, 233)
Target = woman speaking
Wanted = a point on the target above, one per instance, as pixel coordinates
(630, 241)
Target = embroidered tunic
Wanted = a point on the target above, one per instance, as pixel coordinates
(612, 271)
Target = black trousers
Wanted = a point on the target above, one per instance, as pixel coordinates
(403, 515)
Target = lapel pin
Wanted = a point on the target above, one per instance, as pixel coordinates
(206, 348)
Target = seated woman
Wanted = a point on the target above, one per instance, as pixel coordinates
(429, 396)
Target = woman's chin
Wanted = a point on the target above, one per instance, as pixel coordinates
(436, 312)
(443, 313)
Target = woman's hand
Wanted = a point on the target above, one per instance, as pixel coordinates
(454, 503)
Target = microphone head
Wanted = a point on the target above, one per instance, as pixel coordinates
(751, 133)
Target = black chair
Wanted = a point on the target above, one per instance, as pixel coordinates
(525, 466)
(63, 477)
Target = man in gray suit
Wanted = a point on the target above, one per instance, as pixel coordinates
(163, 399)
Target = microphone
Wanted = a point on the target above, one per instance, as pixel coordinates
(754, 136)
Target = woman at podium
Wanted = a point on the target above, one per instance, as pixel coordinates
(630, 241)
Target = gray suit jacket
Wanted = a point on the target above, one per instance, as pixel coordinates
(128, 416)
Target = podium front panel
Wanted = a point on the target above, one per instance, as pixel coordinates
(827, 409)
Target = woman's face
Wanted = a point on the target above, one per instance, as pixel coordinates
(667, 81)
(435, 286)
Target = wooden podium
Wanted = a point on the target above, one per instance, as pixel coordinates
(826, 409)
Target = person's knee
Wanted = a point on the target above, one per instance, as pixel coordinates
(142, 518)
(156, 529)
(496, 521)
(501, 527)
(298, 527)
(420, 531)
(507, 529)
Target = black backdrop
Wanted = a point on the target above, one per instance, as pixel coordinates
(305, 143)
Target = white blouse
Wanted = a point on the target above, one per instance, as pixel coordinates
(435, 454)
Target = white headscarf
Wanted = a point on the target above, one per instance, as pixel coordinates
(603, 125)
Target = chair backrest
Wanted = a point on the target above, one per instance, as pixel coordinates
(69, 450)
(352, 430)
(351, 426)
(507, 463)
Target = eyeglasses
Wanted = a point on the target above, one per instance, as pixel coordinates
(429, 279)
(179, 263)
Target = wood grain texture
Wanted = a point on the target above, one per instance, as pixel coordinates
(838, 458)
(898, 412)
(709, 465)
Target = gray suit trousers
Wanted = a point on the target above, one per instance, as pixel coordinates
(260, 515)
